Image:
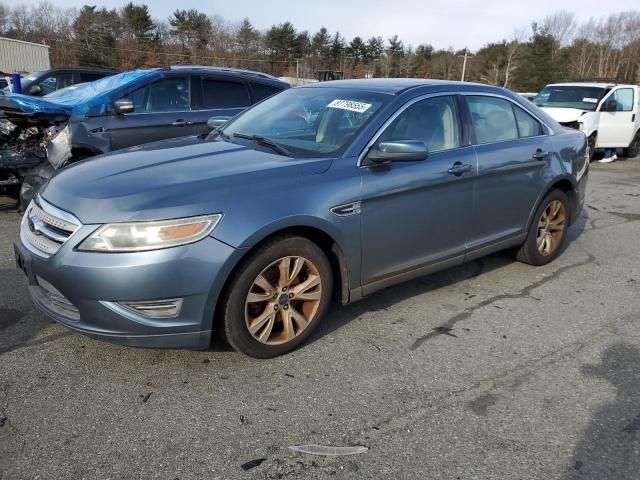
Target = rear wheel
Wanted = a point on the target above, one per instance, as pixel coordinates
(547, 232)
(633, 148)
(277, 297)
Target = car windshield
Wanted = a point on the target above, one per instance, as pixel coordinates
(307, 122)
(566, 96)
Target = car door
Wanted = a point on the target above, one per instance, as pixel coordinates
(513, 147)
(616, 128)
(416, 215)
(161, 111)
(216, 96)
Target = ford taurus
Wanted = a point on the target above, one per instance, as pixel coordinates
(336, 189)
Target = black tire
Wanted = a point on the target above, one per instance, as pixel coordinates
(232, 306)
(529, 251)
(632, 151)
(592, 145)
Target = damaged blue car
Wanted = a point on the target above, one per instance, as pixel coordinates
(39, 135)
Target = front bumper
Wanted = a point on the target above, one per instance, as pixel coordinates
(84, 290)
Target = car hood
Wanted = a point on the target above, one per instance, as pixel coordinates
(172, 179)
(17, 106)
(564, 115)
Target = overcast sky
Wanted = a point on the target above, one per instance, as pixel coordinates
(456, 23)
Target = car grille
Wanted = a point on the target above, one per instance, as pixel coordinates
(51, 298)
(46, 228)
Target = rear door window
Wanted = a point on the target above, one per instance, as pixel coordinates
(65, 79)
(493, 119)
(223, 94)
(262, 90)
(90, 77)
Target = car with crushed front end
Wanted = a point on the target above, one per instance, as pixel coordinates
(45, 82)
(607, 113)
(41, 134)
(335, 189)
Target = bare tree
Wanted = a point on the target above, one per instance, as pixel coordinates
(561, 26)
(5, 13)
(515, 48)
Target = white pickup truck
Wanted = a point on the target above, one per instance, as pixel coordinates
(607, 113)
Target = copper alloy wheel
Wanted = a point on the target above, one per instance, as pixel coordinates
(551, 228)
(283, 300)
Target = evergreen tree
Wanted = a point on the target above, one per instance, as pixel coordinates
(95, 33)
(192, 28)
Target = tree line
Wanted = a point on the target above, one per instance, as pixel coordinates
(554, 48)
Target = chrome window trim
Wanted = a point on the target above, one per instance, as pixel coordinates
(395, 115)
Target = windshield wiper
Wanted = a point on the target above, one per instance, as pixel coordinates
(266, 142)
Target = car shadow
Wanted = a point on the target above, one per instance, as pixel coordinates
(610, 445)
(339, 315)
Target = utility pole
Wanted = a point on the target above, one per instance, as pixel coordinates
(297, 70)
(464, 63)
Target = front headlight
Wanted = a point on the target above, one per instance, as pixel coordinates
(143, 236)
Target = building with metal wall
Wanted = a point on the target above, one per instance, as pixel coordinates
(23, 57)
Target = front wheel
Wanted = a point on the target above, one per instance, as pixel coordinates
(547, 232)
(276, 298)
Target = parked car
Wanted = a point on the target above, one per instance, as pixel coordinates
(48, 81)
(609, 114)
(43, 134)
(357, 184)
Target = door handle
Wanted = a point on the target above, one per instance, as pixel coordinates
(459, 168)
(179, 123)
(633, 117)
(540, 154)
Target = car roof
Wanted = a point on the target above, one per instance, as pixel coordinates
(232, 71)
(389, 85)
(589, 84)
(79, 69)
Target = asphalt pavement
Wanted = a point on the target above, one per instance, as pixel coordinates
(493, 370)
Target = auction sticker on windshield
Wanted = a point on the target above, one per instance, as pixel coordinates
(590, 100)
(350, 105)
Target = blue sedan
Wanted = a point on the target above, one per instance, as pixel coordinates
(330, 190)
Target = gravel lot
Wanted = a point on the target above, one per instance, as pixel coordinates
(494, 370)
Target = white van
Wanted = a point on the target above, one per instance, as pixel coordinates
(606, 112)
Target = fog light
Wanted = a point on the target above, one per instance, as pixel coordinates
(156, 308)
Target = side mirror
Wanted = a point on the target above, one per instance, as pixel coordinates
(399, 151)
(611, 105)
(122, 106)
(35, 90)
(216, 122)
